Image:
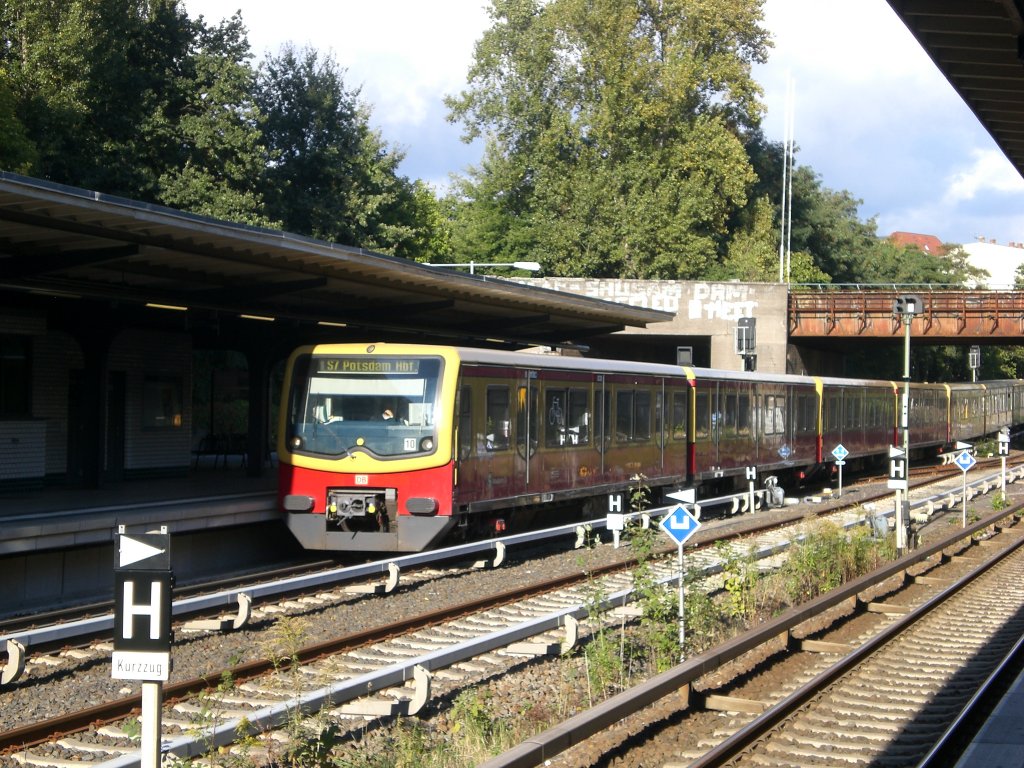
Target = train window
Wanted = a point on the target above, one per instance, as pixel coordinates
(743, 414)
(774, 415)
(497, 424)
(602, 409)
(632, 415)
(383, 406)
(679, 416)
(769, 414)
(852, 417)
(465, 422)
(806, 413)
(831, 415)
(703, 417)
(659, 421)
(728, 422)
(578, 408)
(567, 417)
(642, 415)
(526, 421)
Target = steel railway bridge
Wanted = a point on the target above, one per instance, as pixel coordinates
(949, 316)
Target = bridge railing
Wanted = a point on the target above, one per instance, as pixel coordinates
(849, 310)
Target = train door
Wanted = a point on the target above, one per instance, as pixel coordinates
(716, 412)
(706, 456)
(679, 445)
(527, 427)
(602, 430)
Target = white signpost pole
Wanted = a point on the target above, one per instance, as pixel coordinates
(682, 606)
(965, 461)
(963, 515)
(152, 723)
(681, 525)
(840, 453)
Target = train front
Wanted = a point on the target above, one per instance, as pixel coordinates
(365, 446)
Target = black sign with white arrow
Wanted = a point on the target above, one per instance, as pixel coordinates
(142, 607)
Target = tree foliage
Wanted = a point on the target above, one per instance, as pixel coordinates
(136, 99)
(614, 132)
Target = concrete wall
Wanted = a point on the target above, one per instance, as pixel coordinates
(701, 309)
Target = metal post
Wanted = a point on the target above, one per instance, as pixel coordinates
(682, 609)
(963, 522)
(901, 534)
(152, 703)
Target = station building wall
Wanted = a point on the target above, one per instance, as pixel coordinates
(151, 421)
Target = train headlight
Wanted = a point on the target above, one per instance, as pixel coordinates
(427, 444)
(295, 443)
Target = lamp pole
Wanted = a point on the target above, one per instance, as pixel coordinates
(529, 266)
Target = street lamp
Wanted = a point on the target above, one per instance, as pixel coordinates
(529, 266)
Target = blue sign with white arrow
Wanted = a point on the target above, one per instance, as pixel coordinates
(679, 524)
(965, 460)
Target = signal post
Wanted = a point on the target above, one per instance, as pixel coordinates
(142, 626)
(904, 307)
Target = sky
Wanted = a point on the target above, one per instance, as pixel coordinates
(871, 113)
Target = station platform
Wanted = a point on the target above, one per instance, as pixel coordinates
(1000, 742)
(59, 518)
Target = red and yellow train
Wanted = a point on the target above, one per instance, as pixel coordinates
(394, 447)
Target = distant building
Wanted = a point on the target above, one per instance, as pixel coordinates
(927, 243)
(1000, 261)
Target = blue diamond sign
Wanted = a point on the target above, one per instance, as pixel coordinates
(840, 452)
(965, 460)
(679, 524)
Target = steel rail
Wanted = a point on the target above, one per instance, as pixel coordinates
(33, 734)
(535, 750)
(102, 625)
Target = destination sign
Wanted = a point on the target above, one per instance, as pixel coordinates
(368, 365)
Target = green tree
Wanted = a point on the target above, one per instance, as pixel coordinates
(135, 99)
(18, 152)
(753, 254)
(615, 131)
(329, 174)
(216, 166)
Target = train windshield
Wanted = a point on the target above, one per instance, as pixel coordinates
(385, 406)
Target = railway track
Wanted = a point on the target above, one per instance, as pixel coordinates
(56, 751)
(869, 675)
(889, 700)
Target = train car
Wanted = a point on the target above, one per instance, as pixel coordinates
(394, 447)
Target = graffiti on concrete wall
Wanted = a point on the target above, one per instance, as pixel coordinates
(696, 301)
(722, 301)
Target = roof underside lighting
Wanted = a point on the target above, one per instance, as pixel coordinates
(173, 307)
(264, 318)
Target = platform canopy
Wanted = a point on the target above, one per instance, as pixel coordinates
(59, 243)
(979, 46)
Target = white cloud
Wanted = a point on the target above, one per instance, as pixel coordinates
(404, 54)
(989, 171)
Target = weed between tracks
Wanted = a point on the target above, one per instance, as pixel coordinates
(495, 715)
